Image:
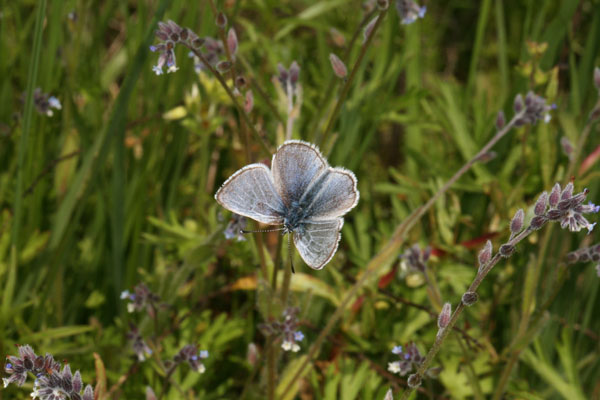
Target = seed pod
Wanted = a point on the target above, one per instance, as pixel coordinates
(221, 20)
(485, 254)
(224, 66)
(444, 317)
(414, 381)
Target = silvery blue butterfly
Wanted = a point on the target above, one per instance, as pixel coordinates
(301, 192)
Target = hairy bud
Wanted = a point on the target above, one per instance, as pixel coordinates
(507, 250)
(469, 298)
(338, 66)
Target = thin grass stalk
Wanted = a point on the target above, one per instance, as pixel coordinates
(346, 88)
(544, 245)
(265, 147)
(439, 340)
(27, 121)
(391, 249)
(334, 79)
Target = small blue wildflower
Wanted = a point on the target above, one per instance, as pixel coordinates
(409, 11)
(203, 353)
(397, 349)
(299, 336)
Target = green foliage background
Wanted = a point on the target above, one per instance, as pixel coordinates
(136, 201)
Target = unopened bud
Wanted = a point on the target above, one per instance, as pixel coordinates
(241, 82)
(294, 72)
(232, 41)
(540, 204)
(485, 254)
(389, 395)
(597, 77)
(507, 250)
(185, 33)
(221, 20)
(487, 156)
(339, 69)
(369, 29)
(150, 395)
(554, 195)
(224, 66)
(444, 317)
(518, 105)
(469, 298)
(198, 42)
(572, 257)
(433, 372)
(252, 354)
(383, 4)
(336, 36)
(414, 381)
(537, 222)
(567, 191)
(517, 222)
(500, 120)
(249, 102)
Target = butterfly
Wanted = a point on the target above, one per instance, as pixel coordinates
(301, 192)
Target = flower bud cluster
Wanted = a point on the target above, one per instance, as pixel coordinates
(190, 354)
(586, 254)
(532, 109)
(287, 330)
(141, 298)
(51, 383)
(409, 11)
(415, 258)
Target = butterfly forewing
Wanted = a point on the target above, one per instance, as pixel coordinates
(295, 165)
(318, 241)
(250, 192)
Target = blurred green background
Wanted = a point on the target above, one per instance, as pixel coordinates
(117, 188)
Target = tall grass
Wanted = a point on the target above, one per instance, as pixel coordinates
(133, 201)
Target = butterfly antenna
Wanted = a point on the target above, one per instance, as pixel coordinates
(243, 231)
(290, 253)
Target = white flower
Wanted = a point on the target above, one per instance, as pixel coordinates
(394, 367)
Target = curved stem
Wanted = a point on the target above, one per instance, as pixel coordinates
(338, 106)
(237, 105)
(439, 340)
(390, 250)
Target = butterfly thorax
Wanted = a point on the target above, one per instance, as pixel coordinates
(294, 217)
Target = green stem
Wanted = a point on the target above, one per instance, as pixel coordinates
(439, 340)
(390, 250)
(237, 105)
(345, 89)
(27, 120)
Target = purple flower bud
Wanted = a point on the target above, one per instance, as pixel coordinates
(389, 395)
(572, 257)
(517, 222)
(294, 72)
(444, 317)
(537, 222)
(252, 354)
(88, 393)
(597, 77)
(198, 42)
(383, 4)
(150, 395)
(554, 215)
(485, 254)
(414, 381)
(507, 250)
(469, 298)
(224, 66)
(540, 204)
(369, 29)
(185, 33)
(232, 41)
(339, 68)
(567, 147)
(487, 156)
(221, 20)
(567, 191)
(518, 105)
(249, 102)
(554, 195)
(500, 120)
